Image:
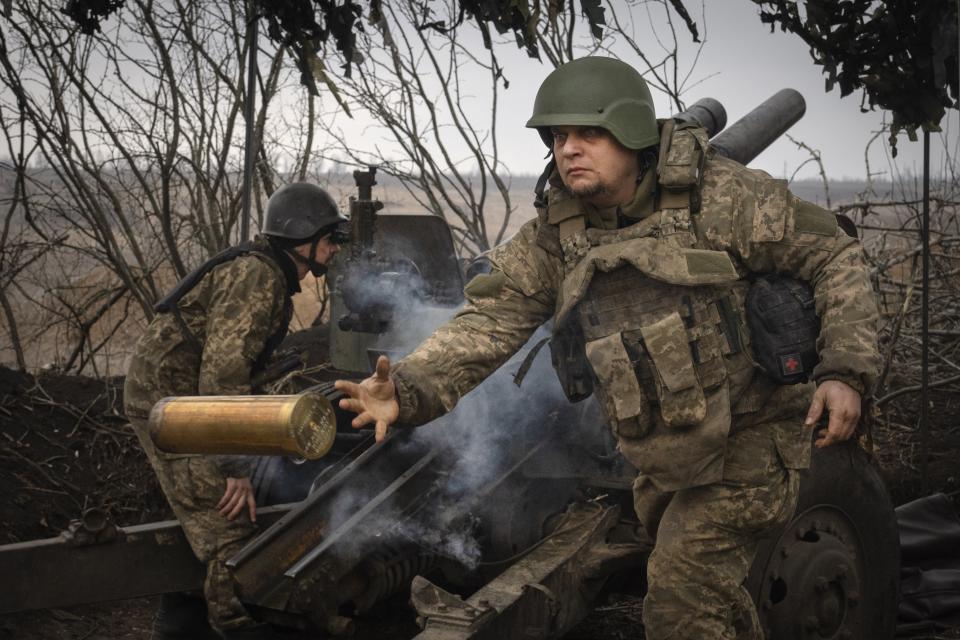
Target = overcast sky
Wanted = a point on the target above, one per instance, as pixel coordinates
(742, 64)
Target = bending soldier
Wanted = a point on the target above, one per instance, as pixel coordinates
(211, 334)
(642, 251)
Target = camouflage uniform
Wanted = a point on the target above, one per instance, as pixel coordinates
(717, 443)
(231, 313)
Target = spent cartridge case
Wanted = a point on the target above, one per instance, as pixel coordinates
(301, 425)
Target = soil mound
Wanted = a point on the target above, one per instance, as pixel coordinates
(65, 448)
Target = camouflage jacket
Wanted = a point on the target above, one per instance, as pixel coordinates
(744, 213)
(231, 312)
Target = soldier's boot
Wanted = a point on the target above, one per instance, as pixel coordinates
(182, 617)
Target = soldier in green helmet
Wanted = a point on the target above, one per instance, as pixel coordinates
(642, 253)
(210, 336)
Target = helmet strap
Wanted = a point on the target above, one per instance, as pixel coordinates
(647, 159)
(542, 183)
(312, 265)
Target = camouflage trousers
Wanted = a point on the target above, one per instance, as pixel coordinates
(193, 485)
(706, 540)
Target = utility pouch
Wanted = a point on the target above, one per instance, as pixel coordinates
(566, 354)
(682, 165)
(624, 402)
(682, 402)
(784, 327)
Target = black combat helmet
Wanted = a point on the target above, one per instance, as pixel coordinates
(299, 210)
(302, 212)
(599, 92)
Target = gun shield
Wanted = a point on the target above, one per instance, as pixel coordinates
(299, 425)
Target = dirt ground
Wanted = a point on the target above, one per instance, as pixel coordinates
(64, 448)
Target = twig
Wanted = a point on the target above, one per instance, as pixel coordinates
(888, 357)
(914, 389)
(90, 631)
(871, 204)
(33, 464)
(47, 438)
(83, 415)
(30, 487)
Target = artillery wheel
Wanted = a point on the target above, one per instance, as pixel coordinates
(833, 571)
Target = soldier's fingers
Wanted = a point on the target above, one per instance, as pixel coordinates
(228, 494)
(824, 438)
(381, 430)
(352, 389)
(351, 404)
(237, 507)
(252, 505)
(816, 408)
(842, 424)
(383, 368)
(362, 420)
(230, 505)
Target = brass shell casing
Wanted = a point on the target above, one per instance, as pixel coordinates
(302, 425)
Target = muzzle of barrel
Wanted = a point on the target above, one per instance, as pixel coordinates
(301, 425)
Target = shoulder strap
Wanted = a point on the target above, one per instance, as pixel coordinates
(170, 302)
(274, 340)
(680, 166)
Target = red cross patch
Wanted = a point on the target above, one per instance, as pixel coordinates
(790, 364)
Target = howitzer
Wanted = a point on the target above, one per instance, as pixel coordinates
(517, 502)
(363, 212)
(398, 266)
(363, 260)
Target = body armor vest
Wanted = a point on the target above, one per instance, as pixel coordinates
(170, 302)
(660, 325)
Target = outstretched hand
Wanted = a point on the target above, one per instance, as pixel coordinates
(374, 400)
(842, 402)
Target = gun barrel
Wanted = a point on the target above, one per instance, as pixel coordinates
(747, 137)
(299, 425)
(706, 112)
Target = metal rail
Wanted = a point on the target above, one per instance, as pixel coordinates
(97, 562)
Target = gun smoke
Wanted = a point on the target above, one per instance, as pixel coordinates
(480, 434)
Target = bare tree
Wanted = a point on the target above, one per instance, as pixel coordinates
(434, 97)
(657, 28)
(17, 252)
(888, 216)
(125, 144)
(136, 137)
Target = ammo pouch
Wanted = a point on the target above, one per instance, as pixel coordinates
(679, 390)
(566, 354)
(784, 327)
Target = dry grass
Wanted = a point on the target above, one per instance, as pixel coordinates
(60, 296)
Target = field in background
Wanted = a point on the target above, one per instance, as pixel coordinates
(49, 340)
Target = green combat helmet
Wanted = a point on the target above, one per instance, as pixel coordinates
(599, 92)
